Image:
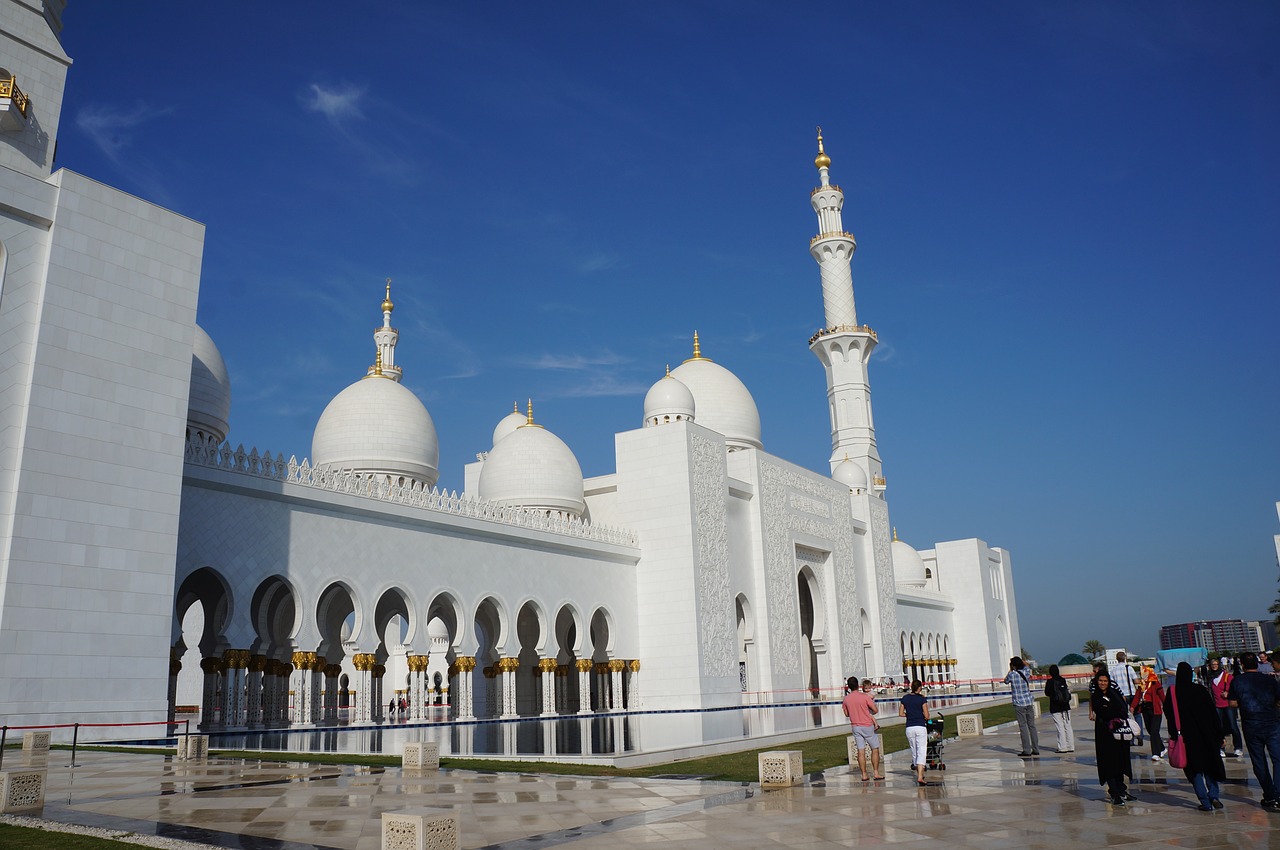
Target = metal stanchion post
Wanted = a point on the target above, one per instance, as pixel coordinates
(75, 739)
(4, 733)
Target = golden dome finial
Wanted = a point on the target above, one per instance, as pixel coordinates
(377, 364)
(529, 420)
(387, 306)
(668, 370)
(895, 534)
(515, 407)
(821, 160)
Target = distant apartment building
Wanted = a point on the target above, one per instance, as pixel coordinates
(1226, 636)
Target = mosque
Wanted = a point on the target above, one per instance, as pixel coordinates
(147, 565)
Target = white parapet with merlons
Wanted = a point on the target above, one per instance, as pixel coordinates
(781, 768)
(421, 755)
(968, 725)
(35, 742)
(192, 747)
(21, 790)
(421, 829)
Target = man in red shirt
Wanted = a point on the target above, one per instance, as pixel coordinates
(860, 707)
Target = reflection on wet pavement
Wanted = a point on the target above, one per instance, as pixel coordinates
(987, 798)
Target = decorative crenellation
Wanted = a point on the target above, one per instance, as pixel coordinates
(348, 482)
(716, 624)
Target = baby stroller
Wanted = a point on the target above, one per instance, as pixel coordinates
(935, 731)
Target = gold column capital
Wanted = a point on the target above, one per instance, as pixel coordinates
(584, 665)
(635, 665)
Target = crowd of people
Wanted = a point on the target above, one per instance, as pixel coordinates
(1210, 715)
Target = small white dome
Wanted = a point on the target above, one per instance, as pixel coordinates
(209, 399)
(722, 401)
(667, 401)
(507, 425)
(377, 426)
(850, 475)
(533, 468)
(437, 630)
(908, 566)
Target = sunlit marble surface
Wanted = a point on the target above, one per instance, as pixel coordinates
(987, 798)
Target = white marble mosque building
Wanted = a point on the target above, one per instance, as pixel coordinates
(147, 564)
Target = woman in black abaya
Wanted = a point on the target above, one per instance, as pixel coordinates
(1201, 732)
(1106, 706)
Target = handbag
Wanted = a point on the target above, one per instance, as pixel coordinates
(1121, 729)
(1178, 746)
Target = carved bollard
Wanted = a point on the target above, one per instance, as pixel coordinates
(421, 829)
(968, 725)
(192, 747)
(1035, 709)
(781, 768)
(35, 742)
(423, 755)
(21, 791)
(1075, 700)
(851, 743)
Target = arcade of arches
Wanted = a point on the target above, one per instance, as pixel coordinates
(476, 664)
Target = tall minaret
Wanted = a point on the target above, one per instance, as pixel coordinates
(385, 339)
(843, 345)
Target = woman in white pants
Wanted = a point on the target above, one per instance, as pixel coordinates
(915, 708)
(1059, 694)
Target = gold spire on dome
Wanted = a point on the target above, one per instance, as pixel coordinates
(821, 160)
(697, 350)
(515, 407)
(895, 534)
(528, 422)
(387, 306)
(377, 365)
(668, 370)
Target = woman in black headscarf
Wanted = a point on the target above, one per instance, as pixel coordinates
(1108, 710)
(1196, 723)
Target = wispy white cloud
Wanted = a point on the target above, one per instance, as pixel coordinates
(574, 362)
(111, 127)
(336, 104)
(597, 263)
(599, 385)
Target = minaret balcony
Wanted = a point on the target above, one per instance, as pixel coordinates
(14, 106)
(830, 188)
(843, 329)
(835, 234)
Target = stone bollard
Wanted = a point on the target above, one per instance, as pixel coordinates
(192, 747)
(1035, 709)
(852, 743)
(421, 829)
(423, 755)
(1075, 700)
(969, 725)
(21, 791)
(781, 768)
(35, 742)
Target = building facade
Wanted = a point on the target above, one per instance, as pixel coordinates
(1224, 636)
(145, 556)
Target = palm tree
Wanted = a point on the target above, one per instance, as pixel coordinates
(1094, 648)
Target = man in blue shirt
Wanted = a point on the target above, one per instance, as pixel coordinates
(1256, 695)
(1019, 679)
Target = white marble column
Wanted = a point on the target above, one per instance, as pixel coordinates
(233, 687)
(584, 666)
(633, 689)
(465, 666)
(253, 690)
(507, 670)
(362, 709)
(616, 666)
(547, 680)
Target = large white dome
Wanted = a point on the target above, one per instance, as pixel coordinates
(908, 566)
(668, 401)
(533, 468)
(209, 399)
(379, 427)
(722, 401)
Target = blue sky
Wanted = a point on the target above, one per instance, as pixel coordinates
(1062, 212)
